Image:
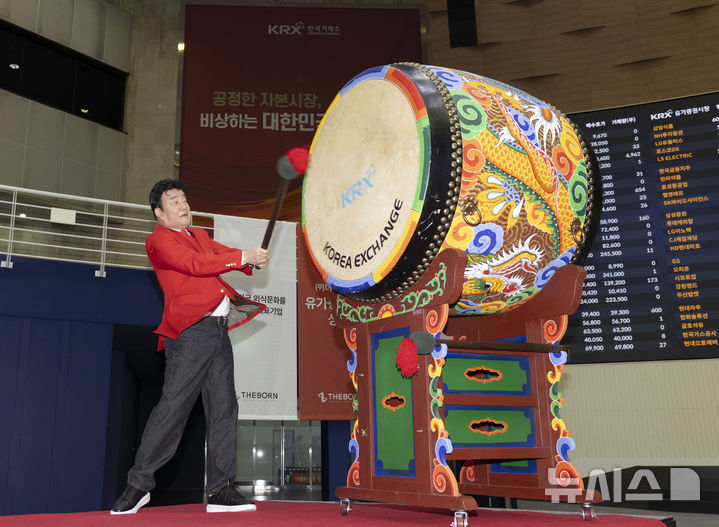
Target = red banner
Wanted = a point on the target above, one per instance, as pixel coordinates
(257, 81)
(324, 385)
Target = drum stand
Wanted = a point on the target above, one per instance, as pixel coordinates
(477, 399)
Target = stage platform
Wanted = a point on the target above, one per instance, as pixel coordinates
(321, 514)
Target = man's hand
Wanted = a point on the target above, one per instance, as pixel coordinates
(257, 257)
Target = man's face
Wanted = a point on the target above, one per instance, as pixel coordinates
(175, 211)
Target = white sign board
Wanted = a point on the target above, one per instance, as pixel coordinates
(266, 347)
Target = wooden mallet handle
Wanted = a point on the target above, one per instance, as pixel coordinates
(287, 172)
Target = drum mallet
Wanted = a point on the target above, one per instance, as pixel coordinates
(290, 166)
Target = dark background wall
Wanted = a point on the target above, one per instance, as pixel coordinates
(59, 327)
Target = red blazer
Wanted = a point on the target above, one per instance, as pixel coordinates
(188, 269)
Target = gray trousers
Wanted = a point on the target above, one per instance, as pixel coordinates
(198, 361)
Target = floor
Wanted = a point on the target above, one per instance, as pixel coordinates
(682, 519)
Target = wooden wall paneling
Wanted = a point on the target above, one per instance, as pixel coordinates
(589, 55)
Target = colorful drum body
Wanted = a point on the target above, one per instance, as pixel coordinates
(410, 160)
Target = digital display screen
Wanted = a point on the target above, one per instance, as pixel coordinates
(652, 285)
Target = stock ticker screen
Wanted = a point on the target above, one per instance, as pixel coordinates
(652, 285)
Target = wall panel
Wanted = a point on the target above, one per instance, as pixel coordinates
(57, 322)
(88, 27)
(56, 422)
(55, 20)
(61, 152)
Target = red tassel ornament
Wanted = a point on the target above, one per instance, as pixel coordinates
(298, 158)
(407, 360)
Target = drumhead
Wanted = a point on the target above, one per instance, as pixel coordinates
(366, 182)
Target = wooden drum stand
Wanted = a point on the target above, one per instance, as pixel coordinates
(485, 394)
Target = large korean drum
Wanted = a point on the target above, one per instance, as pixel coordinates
(410, 160)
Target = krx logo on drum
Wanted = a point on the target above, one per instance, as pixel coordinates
(359, 187)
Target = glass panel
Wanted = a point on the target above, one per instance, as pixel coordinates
(267, 453)
(316, 446)
(297, 454)
(47, 75)
(10, 60)
(303, 453)
(276, 470)
(245, 472)
(47, 72)
(99, 95)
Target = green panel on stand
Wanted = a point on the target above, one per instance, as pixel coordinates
(489, 426)
(392, 402)
(479, 373)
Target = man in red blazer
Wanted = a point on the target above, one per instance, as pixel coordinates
(199, 309)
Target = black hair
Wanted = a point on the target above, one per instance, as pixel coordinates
(159, 189)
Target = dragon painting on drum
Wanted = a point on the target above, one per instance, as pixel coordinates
(411, 160)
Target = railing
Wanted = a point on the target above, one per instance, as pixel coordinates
(51, 226)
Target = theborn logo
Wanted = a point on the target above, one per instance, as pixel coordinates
(335, 397)
(682, 484)
(259, 395)
(285, 29)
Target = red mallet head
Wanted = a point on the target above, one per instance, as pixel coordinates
(293, 163)
(289, 166)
